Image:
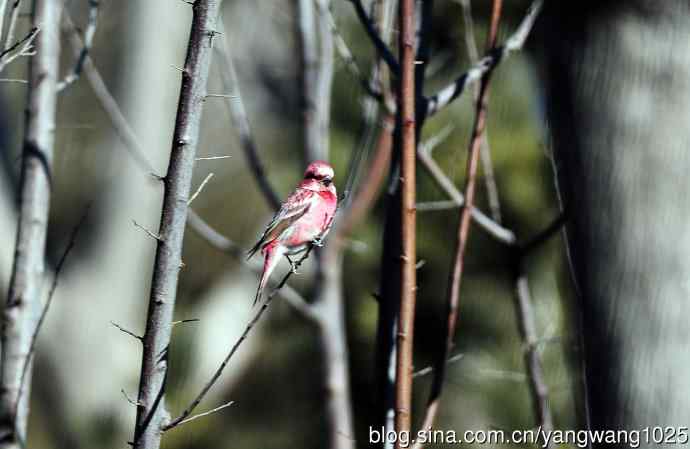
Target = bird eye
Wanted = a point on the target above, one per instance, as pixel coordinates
(327, 181)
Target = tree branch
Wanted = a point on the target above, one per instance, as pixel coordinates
(49, 300)
(241, 122)
(485, 152)
(384, 52)
(22, 310)
(455, 276)
(408, 274)
(151, 415)
(110, 106)
(216, 375)
(493, 57)
(90, 31)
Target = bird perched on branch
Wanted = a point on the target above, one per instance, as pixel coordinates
(303, 220)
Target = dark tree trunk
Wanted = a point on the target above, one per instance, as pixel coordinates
(618, 89)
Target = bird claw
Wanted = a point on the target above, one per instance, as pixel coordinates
(317, 242)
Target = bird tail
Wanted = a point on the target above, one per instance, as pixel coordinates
(273, 255)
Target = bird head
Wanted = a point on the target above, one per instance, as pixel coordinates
(321, 172)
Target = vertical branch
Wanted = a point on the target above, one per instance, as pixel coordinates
(455, 276)
(22, 310)
(408, 290)
(538, 386)
(151, 413)
(485, 152)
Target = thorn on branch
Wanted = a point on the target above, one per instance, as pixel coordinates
(151, 234)
(190, 320)
(130, 400)
(201, 187)
(128, 332)
(200, 415)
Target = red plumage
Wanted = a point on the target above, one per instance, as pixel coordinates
(305, 216)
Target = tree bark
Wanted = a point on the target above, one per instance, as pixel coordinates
(408, 269)
(26, 285)
(619, 106)
(152, 415)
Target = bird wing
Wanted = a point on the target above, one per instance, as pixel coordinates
(297, 204)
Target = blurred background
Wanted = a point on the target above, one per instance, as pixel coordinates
(84, 364)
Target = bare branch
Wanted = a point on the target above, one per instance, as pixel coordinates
(13, 80)
(210, 412)
(212, 158)
(150, 233)
(241, 122)
(152, 415)
(90, 31)
(350, 61)
(23, 47)
(128, 332)
(485, 152)
(14, 16)
(200, 188)
(494, 229)
(381, 47)
(49, 301)
(110, 106)
(222, 243)
(408, 276)
(494, 57)
(429, 369)
(538, 387)
(216, 375)
(189, 320)
(130, 400)
(23, 308)
(455, 277)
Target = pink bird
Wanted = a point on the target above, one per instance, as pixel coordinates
(303, 219)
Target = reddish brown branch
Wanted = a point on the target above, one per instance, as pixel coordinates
(408, 292)
(463, 231)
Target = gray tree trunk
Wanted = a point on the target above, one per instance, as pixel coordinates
(618, 76)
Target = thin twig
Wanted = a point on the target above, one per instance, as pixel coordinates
(126, 331)
(430, 369)
(500, 233)
(49, 300)
(384, 52)
(485, 152)
(211, 158)
(241, 122)
(14, 16)
(92, 23)
(110, 106)
(130, 400)
(210, 412)
(200, 188)
(350, 61)
(197, 400)
(150, 233)
(223, 244)
(493, 57)
(23, 47)
(456, 272)
(538, 386)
